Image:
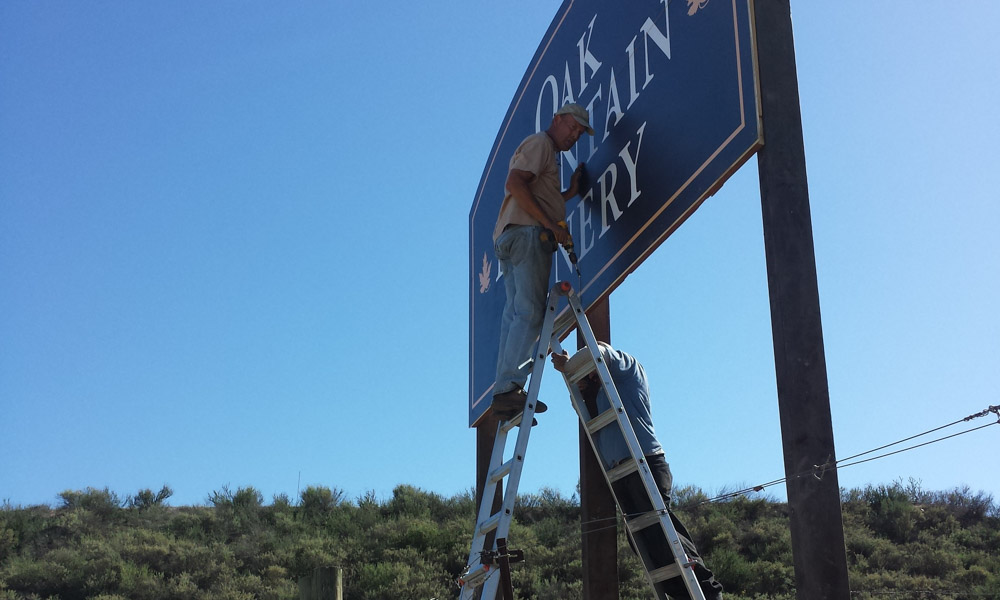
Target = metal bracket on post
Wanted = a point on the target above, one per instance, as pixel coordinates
(504, 558)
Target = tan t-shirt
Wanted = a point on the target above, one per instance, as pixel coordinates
(536, 154)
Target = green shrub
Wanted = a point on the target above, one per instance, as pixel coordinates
(69, 573)
(146, 499)
(413, 502)
(103, 502)
(734, 571)
(900, 541)
(311, 552)
(317, 502)
(931, 561)
(891, 513)
(406, 576)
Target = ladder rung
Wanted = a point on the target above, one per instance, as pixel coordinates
(601, 421)
(489, 524)
(665, 572)
(577, 372)
(580, 365)
(643, 521)
(500, 472)
(509, 424)
(563, 321)
(626, 468)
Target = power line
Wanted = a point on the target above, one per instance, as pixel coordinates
(819, 471)
(918, 593)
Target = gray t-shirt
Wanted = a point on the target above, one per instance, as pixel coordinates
(536, 154)
(630, 381)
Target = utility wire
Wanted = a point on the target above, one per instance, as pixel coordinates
(994, 409)
(921, 593)
(819, 470)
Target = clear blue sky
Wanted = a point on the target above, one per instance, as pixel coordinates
(233, 250)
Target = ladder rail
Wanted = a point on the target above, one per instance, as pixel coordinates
(557, 325)
(582, 412)
(486, 520)
(499, 523)
(520, 448)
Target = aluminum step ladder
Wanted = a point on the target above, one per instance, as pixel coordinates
(616, 416)
(489, 567)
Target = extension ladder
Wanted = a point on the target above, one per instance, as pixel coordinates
(658, 517)
(490, 568)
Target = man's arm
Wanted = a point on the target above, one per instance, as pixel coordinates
(519, 186)
(574, 183)
(559, 361)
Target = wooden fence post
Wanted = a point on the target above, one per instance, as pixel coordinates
(325, 583)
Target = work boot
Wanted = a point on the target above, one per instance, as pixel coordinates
(507, 404)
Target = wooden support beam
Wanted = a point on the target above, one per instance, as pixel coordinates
(816, 523)
(597, 505)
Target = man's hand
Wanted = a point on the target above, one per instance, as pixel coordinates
(559, 361)
(575, 181)
(561, 233)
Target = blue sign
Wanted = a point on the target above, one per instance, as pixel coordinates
(672, 93)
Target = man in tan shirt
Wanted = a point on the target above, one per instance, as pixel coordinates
(533, 204)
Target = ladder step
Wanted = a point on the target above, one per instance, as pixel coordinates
(623, 470)
(500, 472)
(563, 322)
(575, 373)
(489, 524)
(579, 366)
(602, 420)
(665, 572)
(643, 521)
(509, 424)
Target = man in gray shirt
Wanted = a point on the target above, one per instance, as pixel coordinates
(630, 380)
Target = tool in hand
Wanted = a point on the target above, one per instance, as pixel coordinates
(547, 235)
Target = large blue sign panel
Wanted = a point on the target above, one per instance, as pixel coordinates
(672, 93)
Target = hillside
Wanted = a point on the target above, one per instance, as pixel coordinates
(902, 543)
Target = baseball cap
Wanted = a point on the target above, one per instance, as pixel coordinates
(579, 113)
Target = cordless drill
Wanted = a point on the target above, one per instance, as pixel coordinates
(568, 246)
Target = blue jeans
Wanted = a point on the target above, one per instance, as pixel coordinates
(526, 262)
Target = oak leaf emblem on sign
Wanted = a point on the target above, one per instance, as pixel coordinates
(484, 277)
(695, 5)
